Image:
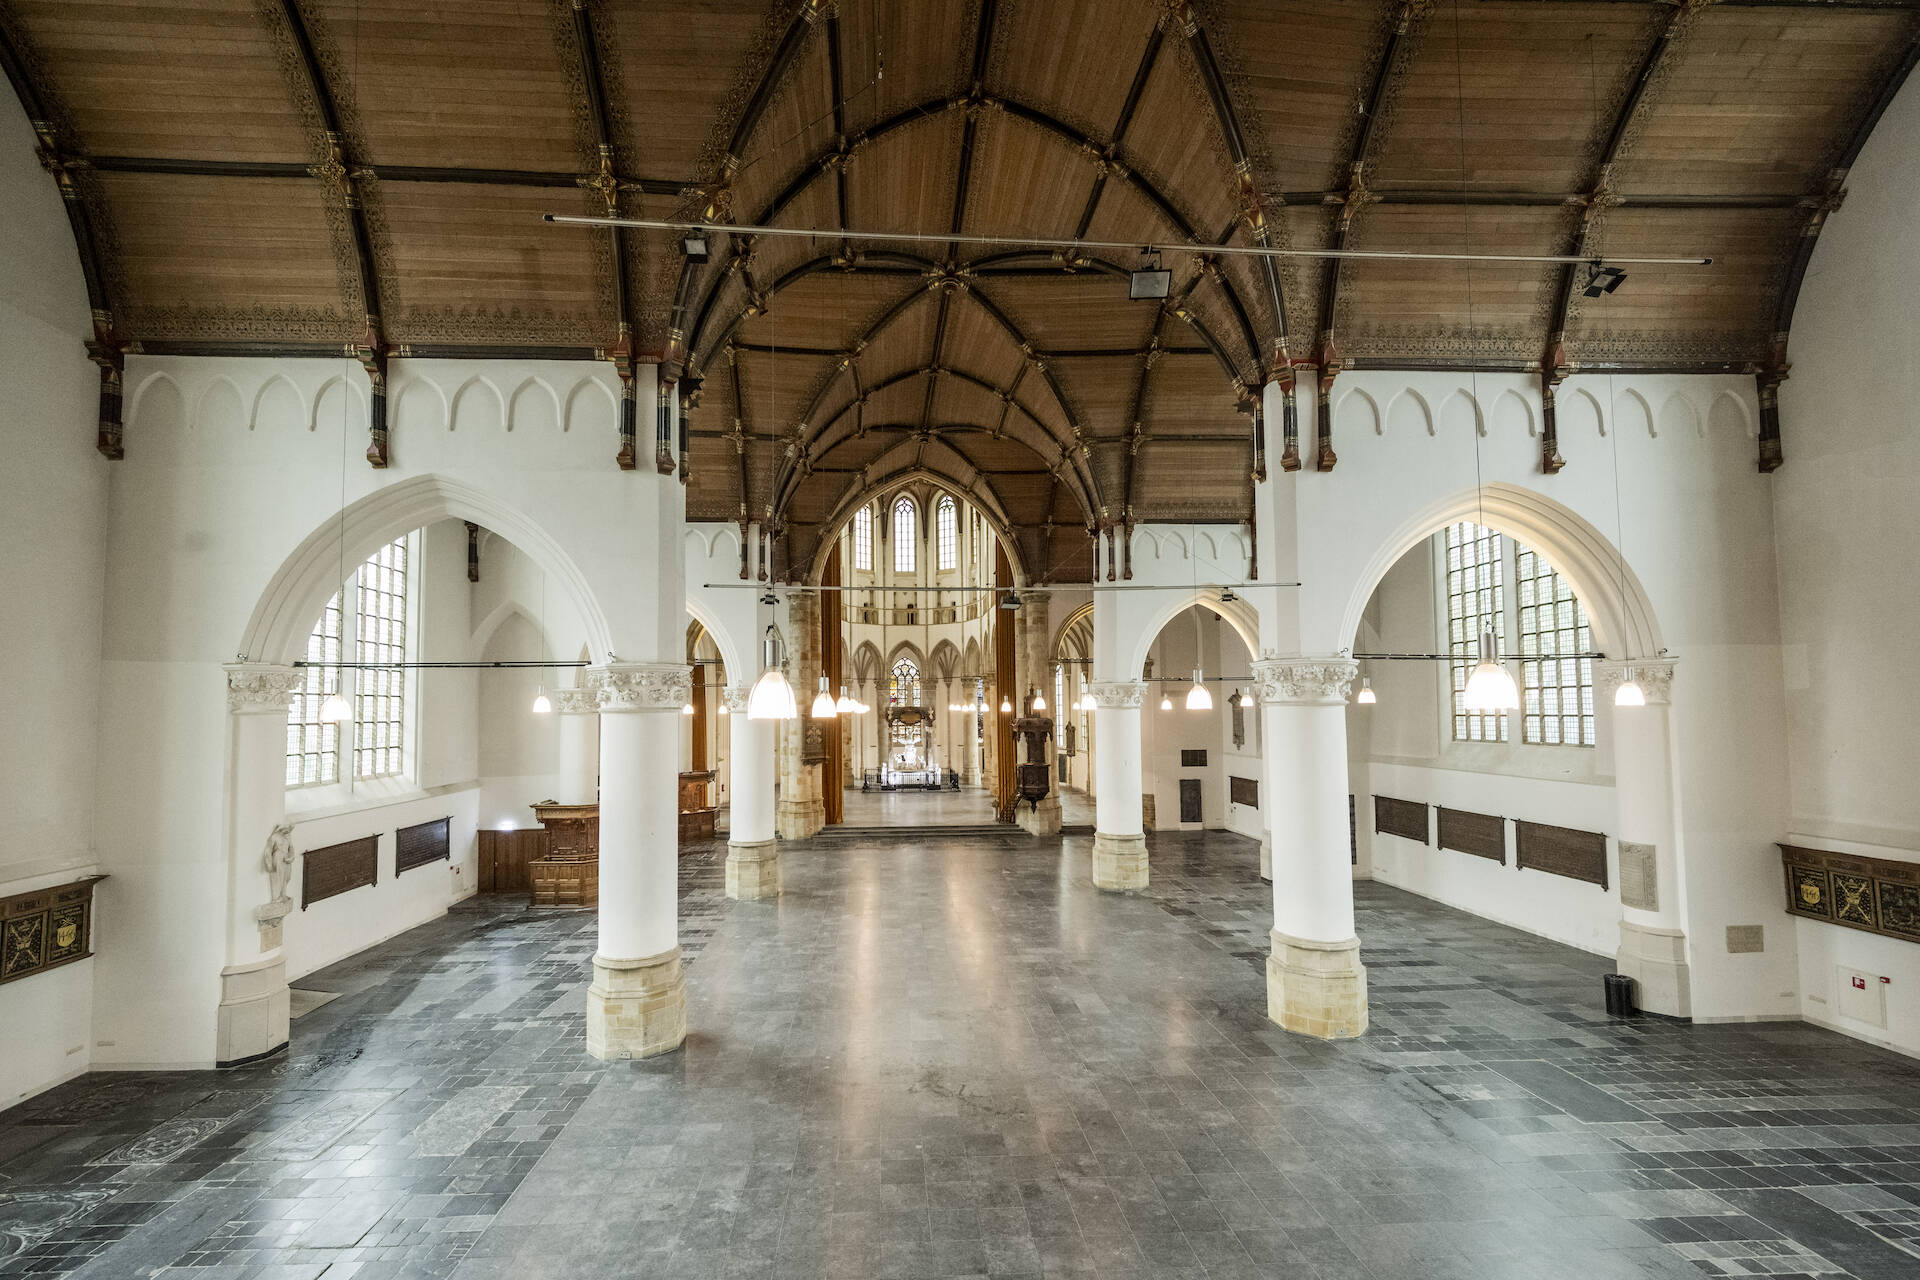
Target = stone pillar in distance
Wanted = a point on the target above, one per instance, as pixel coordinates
(801, 812)
(579, 712)
(637, 1005)
(1119, 837)
(1653, 939)
(753, 858)
(1316, 984)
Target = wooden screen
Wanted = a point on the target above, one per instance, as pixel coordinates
(504, 856)
(416, 846)
(1480, 834)
(1244, 791)
(329, 872)
(1404, 818)
(1561, 851)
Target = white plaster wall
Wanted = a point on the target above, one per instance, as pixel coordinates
(53, 495)
(519, 751)
(1848, 542)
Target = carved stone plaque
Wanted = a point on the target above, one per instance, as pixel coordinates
(1190, 800)
(1742, 939)
(1639, 876)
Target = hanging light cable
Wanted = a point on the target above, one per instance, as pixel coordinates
(542, 705)
(1198, 699)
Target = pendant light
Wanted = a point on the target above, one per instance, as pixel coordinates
(1039, 701)
(1198, 699)
(1166, 701)
(723, 709)
(1491, 686)
(823, 706)
(1365, 697)
(845, 705)
(1006, 705)
(1629, 694)
(542, 705)
(687, 710)
(772, 697)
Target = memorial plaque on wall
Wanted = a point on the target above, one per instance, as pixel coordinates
(329, 872)
(1244, 791)
(1191, 759)
(1561, 851)
(1404, 818)
(46, 928)
(1480, 834)
(1874, 895)
(416, 846)
(1190, 800)
(1639, 876)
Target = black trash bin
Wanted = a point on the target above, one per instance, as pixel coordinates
(1619, 989)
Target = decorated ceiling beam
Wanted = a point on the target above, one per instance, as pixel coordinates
(383, 172)
(1401, 35)
(59, 156)
(340, 174)
(1111, 152)
(1671, 25)
(1825, 201)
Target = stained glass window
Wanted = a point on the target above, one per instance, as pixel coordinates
(903, 535)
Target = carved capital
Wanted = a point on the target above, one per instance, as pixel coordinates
(1653, 675)
(1303, 681)
(256, 688)
(737, 700)
(1124, 694)
(576, 702)
(642, 686)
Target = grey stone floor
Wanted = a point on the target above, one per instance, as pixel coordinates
(955, 1058)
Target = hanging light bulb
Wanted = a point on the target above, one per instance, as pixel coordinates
(542, 705)
(335, 709)
(1006, 705)
(772, 697)
(1039, 701)
(1366, 696)
(1198, 699)
(843, 704)
(1491, 686)
(723, 709)
(1629, 694)
(823, 707)
(1166, 702)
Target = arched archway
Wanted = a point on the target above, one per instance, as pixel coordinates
(1170, 603)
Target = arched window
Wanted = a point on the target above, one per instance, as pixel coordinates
(367, 624)
(1475, 568)
(946, 524)
(905, 688)
(903, 535)
(863, 538)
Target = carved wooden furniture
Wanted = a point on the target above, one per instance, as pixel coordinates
(1874, 895)
(46, 928)
(333, 870)
(696, 814)
(568, 874)
(1033, 778)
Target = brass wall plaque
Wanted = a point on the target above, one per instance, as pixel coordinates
(46, 928)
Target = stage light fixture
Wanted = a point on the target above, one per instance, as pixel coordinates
(695, 247)
(1602, 280)
(1149, 282)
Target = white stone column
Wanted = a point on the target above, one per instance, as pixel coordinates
(753, 857)
(1653, 939)
(1316, 984)
(579, 713)
(254, 1017)
(1119, 839)
(637, 1005)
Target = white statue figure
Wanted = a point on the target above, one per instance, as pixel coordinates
(277, 861)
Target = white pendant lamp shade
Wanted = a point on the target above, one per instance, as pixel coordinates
(843, 704)
(1006, 705)
(1491, 686)
(687, 709)
(1198, 699)
(1629, 694)
(542, 704)
(1166, 702)
(1365, 697)
(1039, 702)
(772, 698)
(723, 709)
(823, 707)
(335, 709)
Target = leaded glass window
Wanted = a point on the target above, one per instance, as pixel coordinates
(313, 743)
(379, 710)
(903, 535)
(1476, 602)
(946, 525)
(863, 538)
(1556, 679)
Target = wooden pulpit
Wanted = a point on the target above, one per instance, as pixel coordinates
(569, 873)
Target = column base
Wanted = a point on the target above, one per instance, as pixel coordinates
(1119, 862)
(800, 819)
(753, 870)
(636, 1008)
(1656, 960)
(1317, 988)
(255, 1013)
(1043, 820)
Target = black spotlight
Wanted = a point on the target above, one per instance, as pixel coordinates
(1149, 280)
(1602, 280)
(1227, 596)
(694, 243)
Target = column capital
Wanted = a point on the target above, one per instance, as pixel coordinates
(1303, 681)
(1653, 675)
(259, 688)
(579, 701)
(737, 699)
(1118, 693)
(641, 686)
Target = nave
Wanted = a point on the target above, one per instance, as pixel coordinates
(945, 1058)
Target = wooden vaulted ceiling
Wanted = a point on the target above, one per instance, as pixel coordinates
(313, 176)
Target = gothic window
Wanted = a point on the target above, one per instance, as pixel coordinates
(366, 624)
(1556, 682)
(863, 538)
(946, 523)
(904, 690)
(903, 535)
(1476, 601)
(313, 742)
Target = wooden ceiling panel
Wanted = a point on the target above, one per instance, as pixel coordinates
(778, 388)
(831, 308)
(1103, 392)
(957, 400)
(905, 182)
(1758, 99)
(1300, 64)
(1087, 310)
(1176, 142)
(1458, 99)
(470, 263)
(1024, 181)
(1074, 59)
(796, 128)
(464, 83)
(977, 343)
(927, 47)
(203, 252)
(199, 78)
(1186, 396)
(684, 78)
